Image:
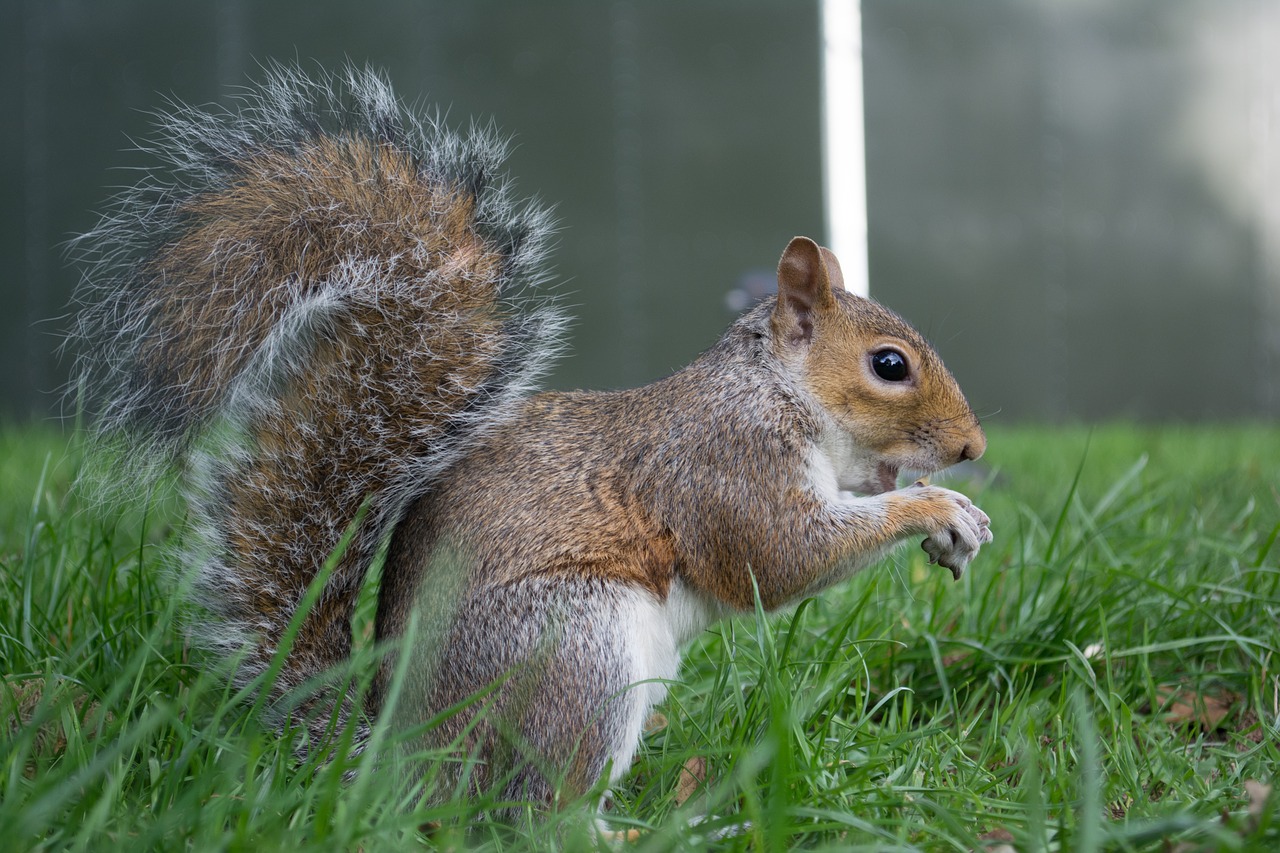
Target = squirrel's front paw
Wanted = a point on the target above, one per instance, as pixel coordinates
(962, 529)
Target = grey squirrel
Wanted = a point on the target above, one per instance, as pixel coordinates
(325, 313)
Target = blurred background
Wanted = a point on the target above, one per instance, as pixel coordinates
(1078, 201)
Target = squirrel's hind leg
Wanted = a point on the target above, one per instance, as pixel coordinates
(579, 665)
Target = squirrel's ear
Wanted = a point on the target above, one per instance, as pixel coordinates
(805, 276)
(834, 275)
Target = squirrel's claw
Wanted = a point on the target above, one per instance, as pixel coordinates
(955, 560)
(957, 543)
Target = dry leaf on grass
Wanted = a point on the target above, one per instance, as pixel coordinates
(1183, 705)
(20, 698)
(1257, 792)
(692, 775)
(621, 836)
(998, 840)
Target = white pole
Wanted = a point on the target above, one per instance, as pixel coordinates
(843, 142)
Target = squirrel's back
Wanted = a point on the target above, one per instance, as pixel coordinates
(313, 309)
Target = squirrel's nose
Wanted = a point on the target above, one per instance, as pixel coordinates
(973, 449)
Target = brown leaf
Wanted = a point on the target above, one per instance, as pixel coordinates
(998, 840)
(692, 775)
(1183, 705)
(621, 836)
(20, 698)
(1257, 792)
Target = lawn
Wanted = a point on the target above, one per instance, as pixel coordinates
(1101, 679)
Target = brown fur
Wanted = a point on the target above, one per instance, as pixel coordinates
(294, 217)
(335, 201)
(310, 312)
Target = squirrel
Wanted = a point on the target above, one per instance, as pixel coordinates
(328, 315)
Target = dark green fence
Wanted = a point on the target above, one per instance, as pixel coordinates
(1079, 202)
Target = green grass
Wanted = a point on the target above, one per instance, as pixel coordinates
(1104, 677)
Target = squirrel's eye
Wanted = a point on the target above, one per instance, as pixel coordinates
(889, 365)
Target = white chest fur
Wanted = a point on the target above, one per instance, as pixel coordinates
(654, 633)
(838, 465)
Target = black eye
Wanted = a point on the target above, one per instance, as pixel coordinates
(889, 365)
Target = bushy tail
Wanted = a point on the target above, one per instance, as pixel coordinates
(311, 308)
